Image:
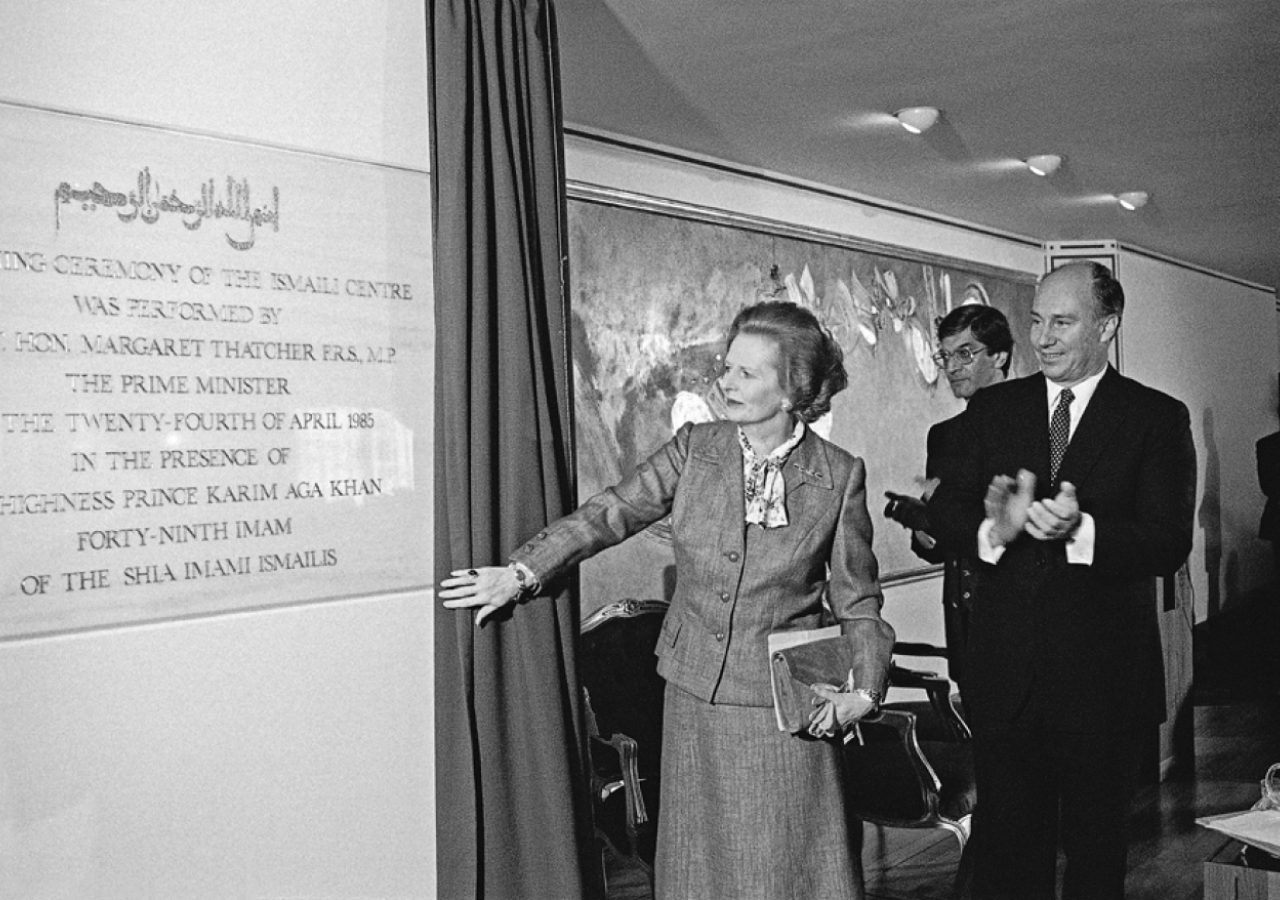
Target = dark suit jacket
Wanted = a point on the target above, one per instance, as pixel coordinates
(959, 573)
(1268, 450)
(735, 585)
(940, 439)
(1085, 638)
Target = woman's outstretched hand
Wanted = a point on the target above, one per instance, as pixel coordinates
(486, 589)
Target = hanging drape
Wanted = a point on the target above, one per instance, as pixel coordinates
(513, 815)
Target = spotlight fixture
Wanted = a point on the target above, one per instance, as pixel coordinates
(917, 119)
(1132, 200)
(1044, 164)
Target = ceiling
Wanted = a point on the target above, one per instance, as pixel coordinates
(1175, 97)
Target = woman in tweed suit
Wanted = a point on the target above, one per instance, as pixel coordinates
(767, 519)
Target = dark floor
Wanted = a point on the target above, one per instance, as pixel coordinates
(1236, 722)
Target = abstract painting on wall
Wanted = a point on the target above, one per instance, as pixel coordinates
(653, 289)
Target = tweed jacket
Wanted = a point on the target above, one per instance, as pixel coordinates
(1082, 638)
(736, 583)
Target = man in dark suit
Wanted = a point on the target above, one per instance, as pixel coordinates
(1076, 487)
(976, 348)
(1268, 451)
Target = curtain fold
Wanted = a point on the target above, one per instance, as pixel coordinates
(513, 816)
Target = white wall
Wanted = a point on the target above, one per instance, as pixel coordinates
(274, 754)
(336, 77)
(1211, 343)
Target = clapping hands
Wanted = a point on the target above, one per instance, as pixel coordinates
(911, 512)
(1011, 507)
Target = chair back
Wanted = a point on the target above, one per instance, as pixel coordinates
(619, 670)
(911, 764)
(887, 778)
(624, 703)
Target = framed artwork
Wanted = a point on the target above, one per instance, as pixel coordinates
(654, 286)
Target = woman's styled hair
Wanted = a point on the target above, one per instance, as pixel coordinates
(811, 364)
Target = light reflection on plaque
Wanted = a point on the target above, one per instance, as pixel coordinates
(215, 375)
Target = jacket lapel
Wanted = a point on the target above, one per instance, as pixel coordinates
(807, 468)
(727, 498)
(1103, 419)
(1038, 405)
(1021, 436)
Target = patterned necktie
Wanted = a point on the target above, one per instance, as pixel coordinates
(1060, 431)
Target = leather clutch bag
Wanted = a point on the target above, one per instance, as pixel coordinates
(798, 659)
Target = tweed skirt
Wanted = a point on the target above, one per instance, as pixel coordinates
(749, 812)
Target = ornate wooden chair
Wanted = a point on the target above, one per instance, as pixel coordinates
(624, 698)
(911, 764)
(947, 719)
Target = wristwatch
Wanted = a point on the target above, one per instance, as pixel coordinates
(871, 694)
(527, 581)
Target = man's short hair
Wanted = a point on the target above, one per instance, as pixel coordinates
(1108, 296)
(989, 327)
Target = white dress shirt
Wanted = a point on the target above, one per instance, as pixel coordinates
(1080, 544)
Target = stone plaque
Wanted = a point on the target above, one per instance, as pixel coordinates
(215, 375)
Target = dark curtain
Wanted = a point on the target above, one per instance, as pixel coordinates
(513, 815)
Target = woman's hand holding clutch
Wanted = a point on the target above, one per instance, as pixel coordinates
(837, 709)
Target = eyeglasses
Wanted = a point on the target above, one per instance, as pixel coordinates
(962, 355)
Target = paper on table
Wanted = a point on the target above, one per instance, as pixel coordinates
(1258, 828)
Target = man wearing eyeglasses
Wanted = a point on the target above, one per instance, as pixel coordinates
(976, 347)
(1076, 488)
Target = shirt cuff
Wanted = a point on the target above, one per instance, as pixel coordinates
(1080, 544)
(986, 552)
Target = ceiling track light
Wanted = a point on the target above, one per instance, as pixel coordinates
(1044, 164)
(917, 119)
(1132, 200)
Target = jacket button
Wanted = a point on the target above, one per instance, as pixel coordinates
(724, 596)
(967, 595)
(733, 555)
(719, 635)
